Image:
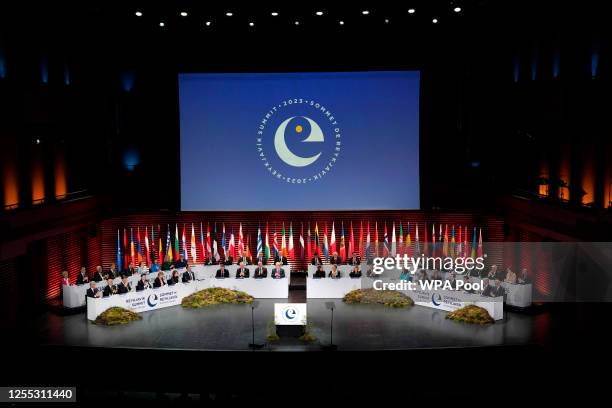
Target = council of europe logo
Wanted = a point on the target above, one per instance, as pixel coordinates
(298, 141)
(290, 314)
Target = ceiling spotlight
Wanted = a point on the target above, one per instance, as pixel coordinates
(411, 11)
(162, 24)
(386, 21)
(208, 24)
(229, 14)
(251, 24)
(274, 14)
(138, 13)
(319, 13)
(183, 14)
(365, 12)
(341, 22)
(457, 9)
(435, 21)
(297, 23)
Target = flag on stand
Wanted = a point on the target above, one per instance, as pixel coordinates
(408, 241)
(290, 251)
(332, 240)
(132, 245)
(360, 247)
(160, 255)
(168, 246)
(119, 259)
(342, 248)
(138, 245)
(452, 243)
(148, 253)
(259, 242)
(208, 242)
(351, 244)
(194, 247)
(176, 243)
(126, 252)
(417, 245)
(480, 242)
(267, 249)
(393, 242)
(308, 245)
(215, 244)
(425, 241)
(223, 242)
(184, 242)
(325, 247)
(202, 241)
(401, 239)
(247, 250)
(385, 242)
(433, 240)
(445, 245)
(466, 249)
(240, 242)
(231, 250)
(302, 252)
(459, 244)
(376, 239)
(152, 254)
(283, 243)
(316, 240)
(275, 244)
(474, 244)
(367, 245)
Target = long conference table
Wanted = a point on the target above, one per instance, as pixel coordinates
(75, 295)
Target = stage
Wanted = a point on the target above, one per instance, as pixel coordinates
(228, 328)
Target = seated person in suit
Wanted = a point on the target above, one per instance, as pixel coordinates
(510, 276)
(181, 263)
(113, 270)
(422, 275)
(335, 259)
(124, 286)
(65, 279)
(522, 278)
(262, 259)
(188, 275)
(319, 273)
(246, 259)
(278, 272)
(167, 265)
(222, 272)
(174, 278)
(143, 283)
(493, 290)
(93, 291)
(155, 266)
(83, 278)
(486, 288)
(452, 278)
(211, 260)
(129, 271)
(280, 258)
(110, 289)
(354, 259)
(242, 272)
(436, 275)
(160, 280)
(334, 273)
(499, 289)
(228, 260)
(355, 273)
(260, 272)
(142, 268)
(466, 279)
(316, 260)
(99, 276)
(492, 272)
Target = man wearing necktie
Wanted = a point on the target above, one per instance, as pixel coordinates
(93, 291)
(279, 272)
(242, 272)
(188, 275)
(260, 272)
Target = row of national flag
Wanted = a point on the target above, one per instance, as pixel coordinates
(134, 245)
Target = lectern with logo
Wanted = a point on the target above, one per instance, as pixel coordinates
(290, 319)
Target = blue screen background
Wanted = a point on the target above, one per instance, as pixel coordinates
(378, 166)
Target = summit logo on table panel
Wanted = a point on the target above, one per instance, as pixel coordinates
(299, 141)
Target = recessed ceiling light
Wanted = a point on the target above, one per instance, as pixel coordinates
(183, 14)
(457, 9)
(319, 13)
(297, 23)
(365, 12)
(341, 22)
(138, 13)
(411, 11)
(274, 14)
(208, 23)
(251, 24)
(229, 14)
(435, 21)
(162, 24)
(386, 21)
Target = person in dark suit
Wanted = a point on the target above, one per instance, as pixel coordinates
(228, 260)
(130, 270)
(499, 289)
(355, 273)
(99, 276)
(262, 259)
(278, 272)
(160, 280)
(334, 273)
(260, 272)
(212, 260)
(319, 273)
(281, 259)
(188, 275)
(316, 260)
(354, 259)
(93, 291)
(143, 283)
(242, 272)
(110, 289)
(523, 277)
(335, 259)
(124, 286)
(174, 278)
(181, 263)
(113, 270)
(222, 273)
(82, 278)
(246, 259)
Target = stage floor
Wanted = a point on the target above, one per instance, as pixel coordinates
(356, 327)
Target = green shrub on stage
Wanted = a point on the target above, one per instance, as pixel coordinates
(308, 337)
(215, 296)
(390, 298)
(116, 315)
(471, 314)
